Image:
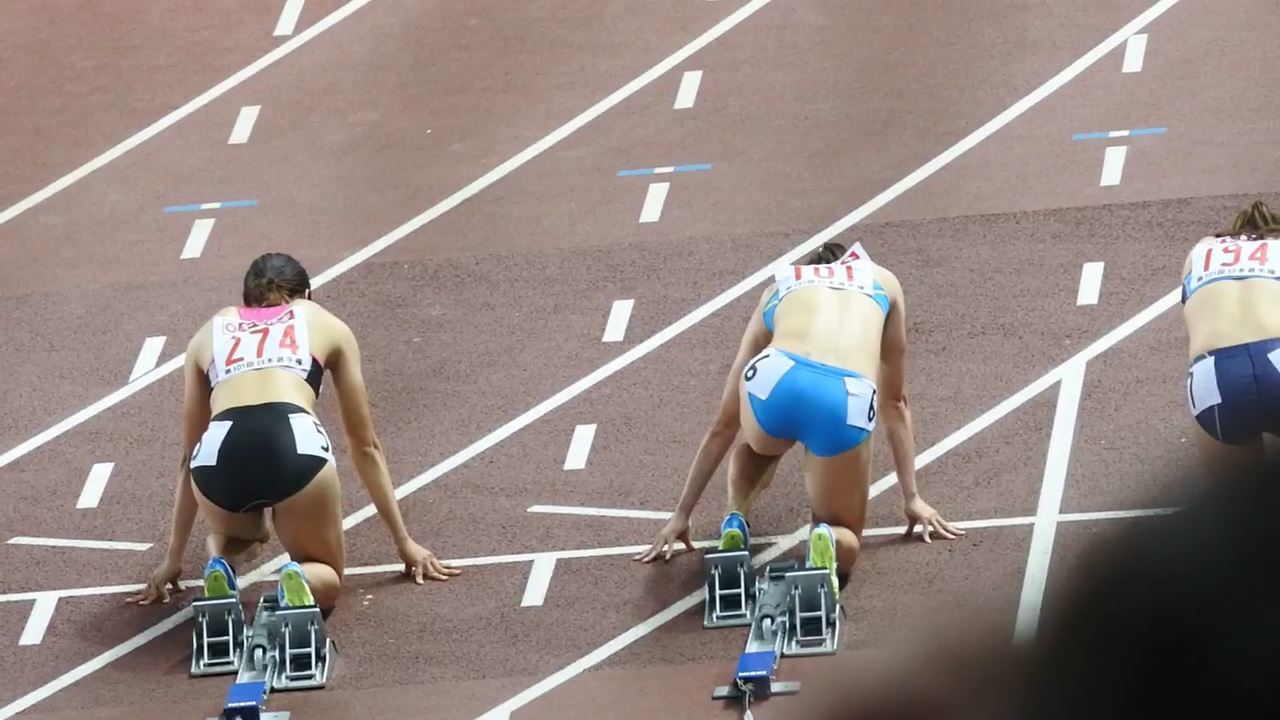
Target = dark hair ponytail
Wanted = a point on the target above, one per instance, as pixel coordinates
(1255, 221)
(828, 253)
(275, 279)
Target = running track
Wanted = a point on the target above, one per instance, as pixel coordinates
(374, 113)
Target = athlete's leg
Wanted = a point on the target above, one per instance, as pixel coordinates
(750, 473)
(1218, 458)
(838, 487)
(309, 525)
(238, 537)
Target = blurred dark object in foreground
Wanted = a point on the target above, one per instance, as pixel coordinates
(1173, 617)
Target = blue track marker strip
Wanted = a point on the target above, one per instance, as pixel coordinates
(665, 170)
(210, 206)
(1119, 133)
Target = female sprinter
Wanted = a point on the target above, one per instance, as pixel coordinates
(251, 441)
(807, 371)
(1233, 386)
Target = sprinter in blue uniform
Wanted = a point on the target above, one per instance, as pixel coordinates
(1231, 305)
(822, 361)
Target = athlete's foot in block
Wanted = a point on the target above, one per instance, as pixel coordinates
(822, 554)
(293, 590)
(219, 578)
(734, 534)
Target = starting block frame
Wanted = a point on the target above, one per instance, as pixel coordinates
(814, 614)
(284, 649)
(730, 591)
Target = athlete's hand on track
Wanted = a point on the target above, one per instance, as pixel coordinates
(419, 561)
(677, 528)
(919, 511)
(158, 586)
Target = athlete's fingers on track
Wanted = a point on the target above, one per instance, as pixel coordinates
(439, 571)
(652, 553)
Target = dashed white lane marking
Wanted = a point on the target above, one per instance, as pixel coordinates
(243, 126)
(654, 198)
(1058, 460)
(1135, 49)
(535, 590)
(619, 315)
(38, 620)
(148, 356)
(1113, 165)
(688, 92)
(94, 485)
(579, 447)
(196, 239)
(599, 512)
(1090, 283)
(77, 543)
(288, 18)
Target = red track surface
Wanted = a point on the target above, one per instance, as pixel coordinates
(806, 111)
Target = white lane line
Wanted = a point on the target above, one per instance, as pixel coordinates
(190, 107)
(38, 620)
(147, 356)
(579, 447)
(655, 341)
(1135, 49)
(529, 557)
(535, 590)
(196, 239)
(688, 92)
(77, 543)
(599, 512)
(382, 243)
(243, 127)
(1090, 283)
(1113, 165)
(654, 198)
(619, 315)
(1049, 507)
(94, 485)
(288, 18)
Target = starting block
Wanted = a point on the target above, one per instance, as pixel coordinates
(770, 632)
(814, 622)
(730, 592)
(284, 649)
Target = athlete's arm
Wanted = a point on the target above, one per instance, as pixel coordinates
(895, 413)
(715, 442)
(195, 420)
(367, 453)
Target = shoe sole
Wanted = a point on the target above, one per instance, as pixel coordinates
(732, 539)
(822, 553)
(296, 591)
(217, 585)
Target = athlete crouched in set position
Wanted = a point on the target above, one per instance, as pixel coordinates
(807, 371)
(251, 441)
(1233, 386)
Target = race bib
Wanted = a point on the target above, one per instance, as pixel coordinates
(309, 436)
(861, 403)
(205, 453)
(241, 345)
(857, 275)
(1202, 386)
(764, 372)
(1234, 258)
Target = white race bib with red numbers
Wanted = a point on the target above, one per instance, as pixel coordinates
(242, 345)
(856, 275)
(1234, 258)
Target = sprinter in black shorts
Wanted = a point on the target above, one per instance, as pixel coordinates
(251, 441)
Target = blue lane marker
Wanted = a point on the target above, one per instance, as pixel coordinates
(665, 170)
(1119, 133)
(210, 206)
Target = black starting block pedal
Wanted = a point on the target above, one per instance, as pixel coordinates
(218, 636)
(730, 590)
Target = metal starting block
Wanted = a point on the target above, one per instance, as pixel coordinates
(284, 649)
(218, 637)
(770, 631)
(730, 591)
(814, 613)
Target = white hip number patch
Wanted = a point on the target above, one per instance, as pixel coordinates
(862, 403)
(764, 372)
(1202, 386)
(309, 436)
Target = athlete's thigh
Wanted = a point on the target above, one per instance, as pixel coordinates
(755, 436)
(309, 522)
(838, 486)
(251, 525)
(1218, 457)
